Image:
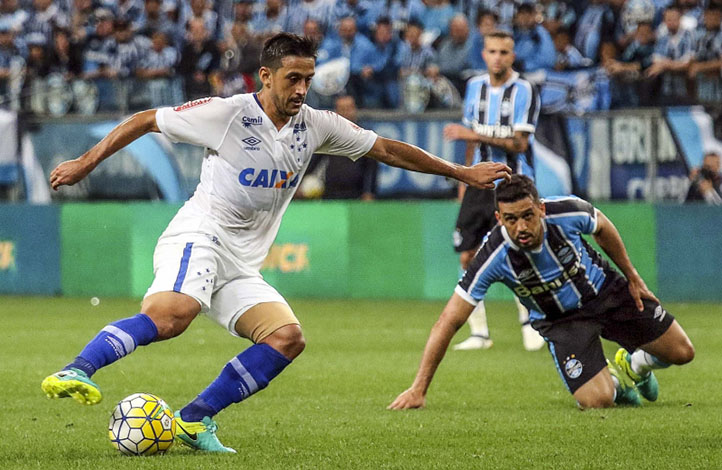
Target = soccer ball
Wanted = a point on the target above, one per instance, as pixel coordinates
(142, 424)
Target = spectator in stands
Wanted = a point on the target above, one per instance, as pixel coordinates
(557, 15)
(65, 57)
(402, 12)
(673, 53)
(366, 12)
(81, 21)
(199, 61)
(44, 17)
(270, 20)
(631, 13)
(414, 57)
(159, 60)
(504, 10)
(200, 9)
(486, 22)
(356, 48)
(157, 68)
(129, 10)
(379, 87)
(12, 15)
(708, 47)
(128, 51)
(97, 49)
(321, 11)
(567, 56)
(595, 28)
(240, 61)
(707, 181)
(436, 17)
(9, 59)
(629, 87)
(533, 45)
(154, 19)
(347, 43)
(453, 52)
(312, 29)
(334, 177)
(37, 63)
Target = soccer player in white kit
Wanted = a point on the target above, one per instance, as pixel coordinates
(208, 259)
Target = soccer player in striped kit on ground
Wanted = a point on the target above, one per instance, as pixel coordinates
(575, 297)
(500, 115)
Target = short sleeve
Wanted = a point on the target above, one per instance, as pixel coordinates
(572, 213)
(483, 270)
(526, 108)
(204, 122)
(339, 136)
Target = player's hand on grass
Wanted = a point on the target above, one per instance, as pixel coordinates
(482, 175)
(69, 172)
(639, 290)
(408, 399)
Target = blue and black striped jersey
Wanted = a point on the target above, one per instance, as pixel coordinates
(499, 112)
(562, 275)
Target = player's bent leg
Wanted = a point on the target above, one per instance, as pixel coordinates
(597, 392)
(279, 340)
(171, 312)
(673, 347)
(606, 389)
(163, 316)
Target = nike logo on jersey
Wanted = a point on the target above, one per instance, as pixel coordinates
(268, 178)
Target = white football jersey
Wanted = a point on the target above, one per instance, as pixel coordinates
(251, 170)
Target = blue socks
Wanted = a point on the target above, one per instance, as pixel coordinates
(115, 341)
(243, 376)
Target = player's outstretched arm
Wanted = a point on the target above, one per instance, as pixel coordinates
(455, 313)
(72, 171)
(517, 143)
(410, 157)
(611, 242)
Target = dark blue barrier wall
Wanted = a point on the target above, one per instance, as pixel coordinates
(29, 249)
(689, 252)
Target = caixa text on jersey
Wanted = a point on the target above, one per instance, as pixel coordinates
(268, 178)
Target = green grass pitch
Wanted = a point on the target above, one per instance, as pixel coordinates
(501, 408)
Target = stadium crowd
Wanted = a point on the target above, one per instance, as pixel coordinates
(382, 52)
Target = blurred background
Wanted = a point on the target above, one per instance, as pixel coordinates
(631, 94)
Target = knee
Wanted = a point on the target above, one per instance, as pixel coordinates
(684, 353)
(601, 400)
(288, 340)
(171, 318)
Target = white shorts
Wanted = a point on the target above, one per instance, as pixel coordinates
(195, 265)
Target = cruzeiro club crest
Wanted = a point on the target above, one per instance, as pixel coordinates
(573, 367)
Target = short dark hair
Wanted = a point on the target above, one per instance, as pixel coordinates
(482, 12)
(526, 8)
(516, 189)
(286, 44)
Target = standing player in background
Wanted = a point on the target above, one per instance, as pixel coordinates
(208, 259)
(538, 251)
(501, 111)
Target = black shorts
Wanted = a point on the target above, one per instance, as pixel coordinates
(574, 340)
(476, 218)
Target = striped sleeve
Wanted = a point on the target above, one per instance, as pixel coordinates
(482, 271)
(572, 213)
(526, 107)
(472, 89)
